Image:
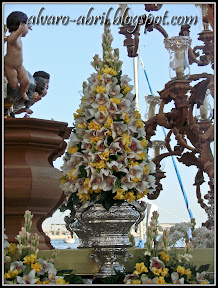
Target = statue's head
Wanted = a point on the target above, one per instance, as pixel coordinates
(41, 86)
(15, 19)
(42, 74)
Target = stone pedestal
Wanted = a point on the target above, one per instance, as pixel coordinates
(31, 182)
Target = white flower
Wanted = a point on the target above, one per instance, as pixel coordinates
(200, 277)
(126, 183)
(6, 243)
(90, 113)
(114, 91)
(118, 128)
(110, 183)
(135, 171)
(93, 78)
(101, 116)
(187, 257)
(125, 80)
(175, 278)
(100, 99)
(156, 262)
(97, 182)
(146, 280)
(17, 265)
(27, 279)
(44, 266)
(147, 253)
(52, 274)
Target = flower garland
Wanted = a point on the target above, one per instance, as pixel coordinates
(107, 154)
(163, 266)
(22, 265)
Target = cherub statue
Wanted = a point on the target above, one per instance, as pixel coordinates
(36, 90)
(17, 24)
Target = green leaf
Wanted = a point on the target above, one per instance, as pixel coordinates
(73, 279)
(109, 140)
(83, 171)
(79, 146)
(119, 174)
(27, 270)
(62, 272)
(203, 268)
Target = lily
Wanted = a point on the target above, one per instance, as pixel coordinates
(175, 278)
(27, 279)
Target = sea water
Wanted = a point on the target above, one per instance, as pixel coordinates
(61, 244)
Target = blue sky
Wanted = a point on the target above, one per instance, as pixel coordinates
(65, 51)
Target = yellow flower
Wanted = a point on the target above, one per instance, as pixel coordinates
(82, 126)
(79, 112)
(129, 196)
(142, 155)
(104, 155)
(139, 123)
(83, 197)
(136, 114)
(126, 139)
(140, 268)
(161, 280)
(147, 170)
(10, 274)
(61, 281)
(165, 256)
(86, 183)
(72, 150)
(84, 99)
(36, 266)
(98, 165)
(99, 78)
(115, 100)
(102, 108)
(94, 125)
(133, 163)
(141, 195)
(126, 90)
(156, 271)
(100, 89)
(29, 259)
(126, 119)
(164, 272)
(95, 139)
(188, 273)
(120, 194)
(63, 180)
(135, 180)
(109, 71)
(204, 282)
(144, 143)
(70, 174)
(11, 249)
(108, 123)
(136, 281)
(181, 270)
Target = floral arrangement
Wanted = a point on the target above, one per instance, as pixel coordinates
(200, 237)
(164, 266)
(106, 159)
(21, 264)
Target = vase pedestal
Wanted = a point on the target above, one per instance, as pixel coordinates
(30, 180)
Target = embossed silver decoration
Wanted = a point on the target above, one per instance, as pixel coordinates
(84, 232)
(177, 42)
(110, 233)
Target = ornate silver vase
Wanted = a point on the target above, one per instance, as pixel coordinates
(110, 233)
(84, 232)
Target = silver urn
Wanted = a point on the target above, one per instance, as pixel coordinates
(110, 230)
(76, 225)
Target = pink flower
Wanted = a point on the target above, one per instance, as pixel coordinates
(157, 263)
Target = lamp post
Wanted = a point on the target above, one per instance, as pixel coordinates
(193, 133)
